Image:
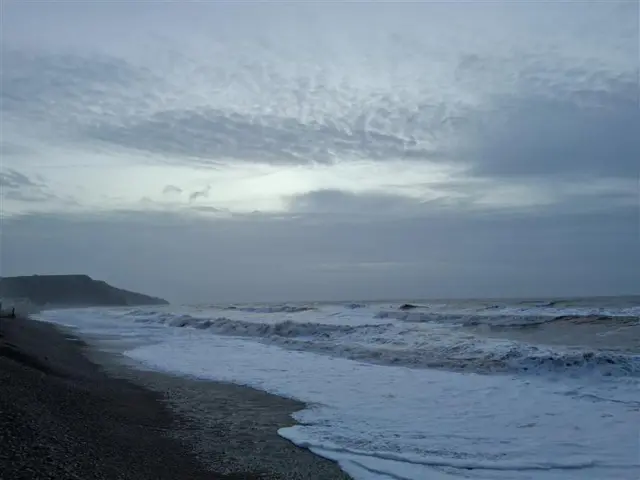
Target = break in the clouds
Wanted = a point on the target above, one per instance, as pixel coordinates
(252, 118)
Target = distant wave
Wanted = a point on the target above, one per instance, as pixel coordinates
(390, 345)
(272, 308)
(537, 321)
(355, 306)
(601, 319)
(546, 303)
(610, 302)
(506, 320)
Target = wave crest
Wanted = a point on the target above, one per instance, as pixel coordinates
(272, 308)
(391, 344)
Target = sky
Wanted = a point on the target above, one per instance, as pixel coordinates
(254, 151)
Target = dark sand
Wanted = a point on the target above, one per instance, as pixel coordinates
(64, 417)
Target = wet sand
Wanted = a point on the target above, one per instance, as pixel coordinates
(65, 416)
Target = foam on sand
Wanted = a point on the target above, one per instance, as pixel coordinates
(409, 423)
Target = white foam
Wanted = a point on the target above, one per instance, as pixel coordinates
(360, 336)
(408, 423)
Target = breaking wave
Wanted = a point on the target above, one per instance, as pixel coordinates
(272, 308)
(392, 344)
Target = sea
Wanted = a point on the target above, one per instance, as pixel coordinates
(545, 389)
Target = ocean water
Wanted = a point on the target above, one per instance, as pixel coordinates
(445, 390)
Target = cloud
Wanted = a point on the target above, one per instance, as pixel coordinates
(171, 190)
(207, 135)
(560, 195)
(68, 87)
(370, 204)
(590, 130)
(551, 119)
(203, 193)
(18, 187)
(208, 210)
(13, 149)
(107, 101)
(13, 180)
(22, 194)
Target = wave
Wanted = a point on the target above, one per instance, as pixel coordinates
(285, 328)
(338, 453)
(418, 317)
(625, 301)
(462, 319)
(506, 320)
(469, 357)
(538, 321)
(550, 303)
(355, 306)
(272, 308)
(391, 344)
(598, 319)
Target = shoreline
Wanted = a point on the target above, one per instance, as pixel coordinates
(70, 411)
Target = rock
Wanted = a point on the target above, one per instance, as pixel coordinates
(407, 306)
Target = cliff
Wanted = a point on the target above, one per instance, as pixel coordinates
(70, 291)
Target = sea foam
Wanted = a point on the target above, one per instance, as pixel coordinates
(469, 406)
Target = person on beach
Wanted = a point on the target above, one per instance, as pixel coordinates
(9, 315)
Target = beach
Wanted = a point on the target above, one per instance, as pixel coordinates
(64, 416)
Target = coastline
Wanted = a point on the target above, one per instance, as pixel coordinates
(69, 411)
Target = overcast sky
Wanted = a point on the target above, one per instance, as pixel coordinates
(221, 151)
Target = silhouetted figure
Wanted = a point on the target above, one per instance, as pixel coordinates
(8, 315)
